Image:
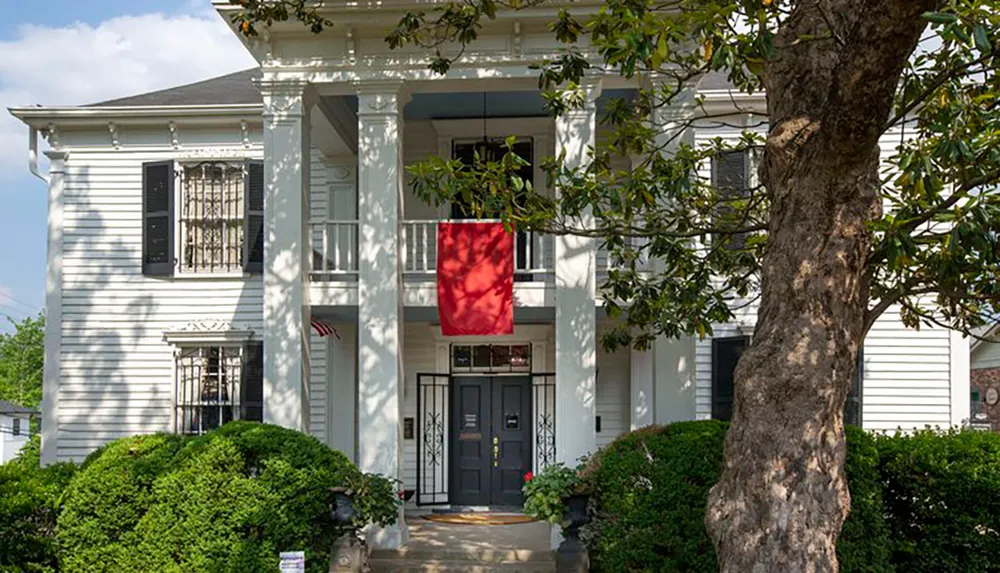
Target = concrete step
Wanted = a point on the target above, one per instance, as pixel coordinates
(470, 561)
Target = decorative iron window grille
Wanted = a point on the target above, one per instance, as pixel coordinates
(212, 218)
(491, 358)
(218, 384)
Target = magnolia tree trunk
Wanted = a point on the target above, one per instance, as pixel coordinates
(782, 497)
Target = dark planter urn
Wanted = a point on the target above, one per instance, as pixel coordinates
(342, 509)
(571, 557)
(350, 553)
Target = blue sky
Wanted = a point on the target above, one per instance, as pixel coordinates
(67, 52)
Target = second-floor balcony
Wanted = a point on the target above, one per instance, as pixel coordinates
(335, 252)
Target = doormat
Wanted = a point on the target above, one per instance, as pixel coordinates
(479, 518)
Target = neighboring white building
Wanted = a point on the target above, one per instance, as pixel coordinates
(195, 232)
(15, 429)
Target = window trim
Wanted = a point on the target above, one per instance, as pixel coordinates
(176, 240)
(220, 339)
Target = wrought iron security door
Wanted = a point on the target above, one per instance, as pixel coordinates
(433, 435)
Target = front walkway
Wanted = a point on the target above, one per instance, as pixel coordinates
(473, 548)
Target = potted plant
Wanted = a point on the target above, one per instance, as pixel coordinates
(366, 499)
(557, 495)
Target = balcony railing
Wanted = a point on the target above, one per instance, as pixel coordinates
(533, 252)
(335, 251)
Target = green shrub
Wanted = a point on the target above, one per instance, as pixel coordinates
(865, 545)
(651, 489)
(229, 500)
(107, 499)
(941, 495)
(30, 498)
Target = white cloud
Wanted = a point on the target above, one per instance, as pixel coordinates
(122, 56)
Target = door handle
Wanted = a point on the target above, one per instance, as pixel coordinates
(496, 451)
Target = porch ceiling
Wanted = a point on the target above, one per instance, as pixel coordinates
(468, 105)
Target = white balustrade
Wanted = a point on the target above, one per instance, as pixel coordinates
(532, 251)
(334, 249)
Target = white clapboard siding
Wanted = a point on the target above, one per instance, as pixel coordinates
(318, 386)
(614, 372)
(419, 357)
(116, 370)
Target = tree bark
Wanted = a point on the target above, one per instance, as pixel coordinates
(782, 498)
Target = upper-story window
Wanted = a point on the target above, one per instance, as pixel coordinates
(203, 218)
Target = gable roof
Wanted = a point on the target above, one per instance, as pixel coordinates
(231, 89)
(10, 408)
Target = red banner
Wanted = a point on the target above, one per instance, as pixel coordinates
(475, 270)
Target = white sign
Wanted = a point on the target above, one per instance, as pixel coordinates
(293, 562)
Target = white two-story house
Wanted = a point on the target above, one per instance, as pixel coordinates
(201, 237)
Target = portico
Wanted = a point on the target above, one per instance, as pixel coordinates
(348, 242)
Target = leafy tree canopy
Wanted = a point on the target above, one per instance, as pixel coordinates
(21, 355)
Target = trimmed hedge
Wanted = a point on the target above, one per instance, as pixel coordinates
(865, 543)
(651, 488)
(30, 499)
(108, 498)
(942, 496)
(227, 501)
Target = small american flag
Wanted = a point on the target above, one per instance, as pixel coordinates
(323, 329)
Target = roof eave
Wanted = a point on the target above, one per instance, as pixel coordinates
(68, 116)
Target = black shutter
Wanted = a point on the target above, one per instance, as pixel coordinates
(726, 353)
(158, 218)
(852, 407)
(253, 218)
(252, 400)
(730, 177)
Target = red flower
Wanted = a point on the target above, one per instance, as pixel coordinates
(528, 476)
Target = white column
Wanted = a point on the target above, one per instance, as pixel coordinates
(286, 212)
(380, 311)
(576, 321)
(673, 360)
(53, 309)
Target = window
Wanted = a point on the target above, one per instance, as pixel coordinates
(526, 255)
(490, 150)
(726, 353)
(219, 212)
(17, 427)
(491, 357)
(731, 175)
(218, 384)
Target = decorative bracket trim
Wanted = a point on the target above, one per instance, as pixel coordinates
(173, 135)
(245, 133)
(115, 139)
